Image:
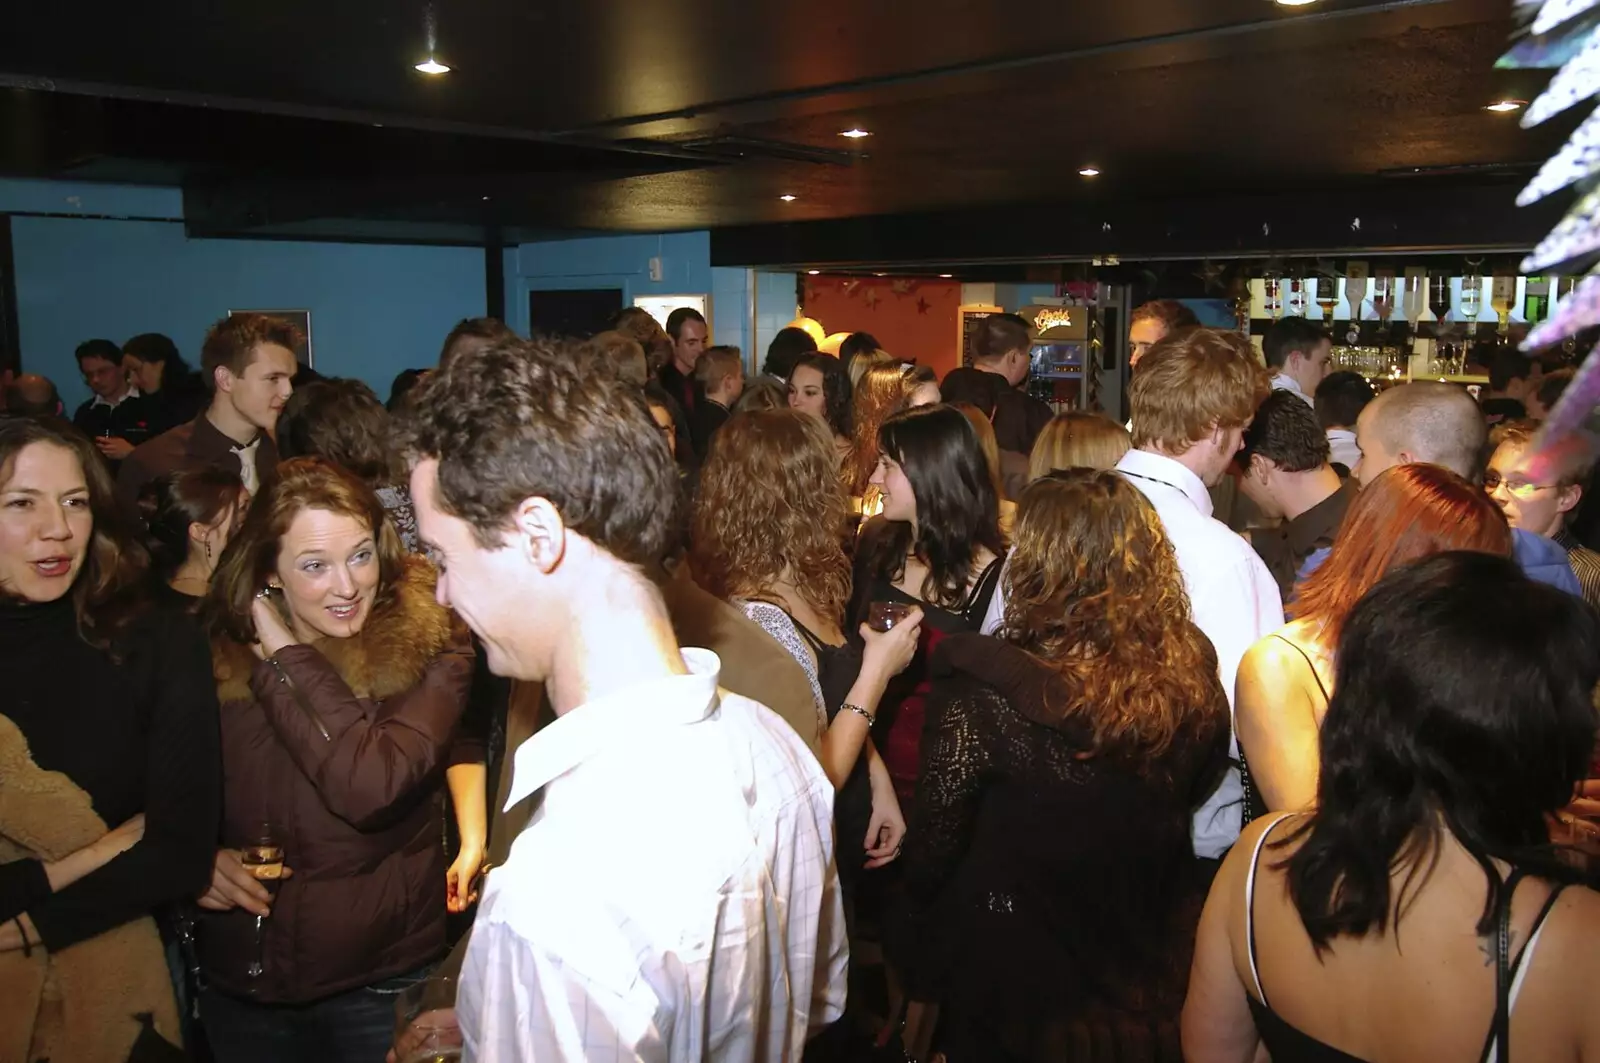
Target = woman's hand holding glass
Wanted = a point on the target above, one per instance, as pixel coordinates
(233, 886)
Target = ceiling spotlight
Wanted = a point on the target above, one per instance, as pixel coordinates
(855, 134)
(787, 198)
(813, 272)
(1295, 3)
(1089, 171)
(432, 66)
(946, 276)
(1506, 106)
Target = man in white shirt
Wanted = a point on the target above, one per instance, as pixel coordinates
(1192, 398)
(674, 897)
(1340, 399)
(1298, 353)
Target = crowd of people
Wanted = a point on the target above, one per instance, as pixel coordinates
(587, 699)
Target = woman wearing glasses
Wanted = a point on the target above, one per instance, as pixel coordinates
(1405, 514)
(1543, 504)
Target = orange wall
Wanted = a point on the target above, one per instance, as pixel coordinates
(914, 319)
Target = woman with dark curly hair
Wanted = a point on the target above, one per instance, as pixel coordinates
(820, 386)
(765, 537)
(936, 547)
(1049, 875)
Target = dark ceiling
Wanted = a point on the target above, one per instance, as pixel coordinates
(303, 119)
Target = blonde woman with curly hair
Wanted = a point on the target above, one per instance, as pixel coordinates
(766, 535)
(1052, 893)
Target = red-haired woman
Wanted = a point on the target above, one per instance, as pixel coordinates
(1052, 899)
(1407, 513)
(342, 682)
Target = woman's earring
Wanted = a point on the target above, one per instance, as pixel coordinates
(208, 551)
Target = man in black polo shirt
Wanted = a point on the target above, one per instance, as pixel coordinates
(1285, 472)
(118, 418)
(1001, 347)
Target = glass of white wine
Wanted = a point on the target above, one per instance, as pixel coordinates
(426, 1030)
(263, 859)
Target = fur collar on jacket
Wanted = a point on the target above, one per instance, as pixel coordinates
(388, 657)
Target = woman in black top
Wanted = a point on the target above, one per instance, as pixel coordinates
(176, 393)
(1420, 909)
(188, 519)
(1051, 887)
(937, 546)
(117, 699)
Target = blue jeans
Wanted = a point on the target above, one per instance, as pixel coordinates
(356, 1026)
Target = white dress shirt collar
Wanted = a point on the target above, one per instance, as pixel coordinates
(100, 400)
(628, 715)
(1285, 382)
(1156, 468)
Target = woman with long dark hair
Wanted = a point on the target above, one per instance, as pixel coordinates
(342, 682)
(765, 537)
(189, 517)
(820, 386)
(1406, 513)
(109, 794)
(1051, 886)
(1420, 911)
(176, 392)
(937, 547)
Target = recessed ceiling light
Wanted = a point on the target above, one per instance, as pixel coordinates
(813, 272)
(946, 276)
(1506, 106)
(880, 274)
(431, 65)
(1295, 3)
(788, 198)
(1089, 171)
(855, 134)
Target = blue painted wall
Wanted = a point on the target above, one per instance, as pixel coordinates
(375, 308)
(624, 262)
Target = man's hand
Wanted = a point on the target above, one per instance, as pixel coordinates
(113, 447)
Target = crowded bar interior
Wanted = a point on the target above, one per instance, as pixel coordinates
(711, 531)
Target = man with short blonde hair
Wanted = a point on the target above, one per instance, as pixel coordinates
(1193, 397)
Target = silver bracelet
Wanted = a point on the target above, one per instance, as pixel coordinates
(859, 711)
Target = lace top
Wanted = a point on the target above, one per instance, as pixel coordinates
(397, 503)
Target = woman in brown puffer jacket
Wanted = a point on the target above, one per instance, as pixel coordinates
(342, 684)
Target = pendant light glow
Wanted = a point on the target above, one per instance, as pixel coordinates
(787, 198)
(1506, 106)
(855, 134)
(432, 66)
(1089, 171)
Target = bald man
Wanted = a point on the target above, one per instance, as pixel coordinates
(1438, 423)
(31, 395)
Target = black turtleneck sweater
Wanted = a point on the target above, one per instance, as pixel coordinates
(137, 734)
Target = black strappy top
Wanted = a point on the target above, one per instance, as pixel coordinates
(1254, 806)
(1287, 1044)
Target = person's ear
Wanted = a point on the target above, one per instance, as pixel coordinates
(222, 376)
(1568, 497)
(198, 532)
(541, 533)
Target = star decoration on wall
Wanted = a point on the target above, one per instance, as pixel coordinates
(923, 306)
(901, 287)
(871, 298)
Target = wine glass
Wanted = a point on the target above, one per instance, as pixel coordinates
(263, 859)
(425, 1029)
